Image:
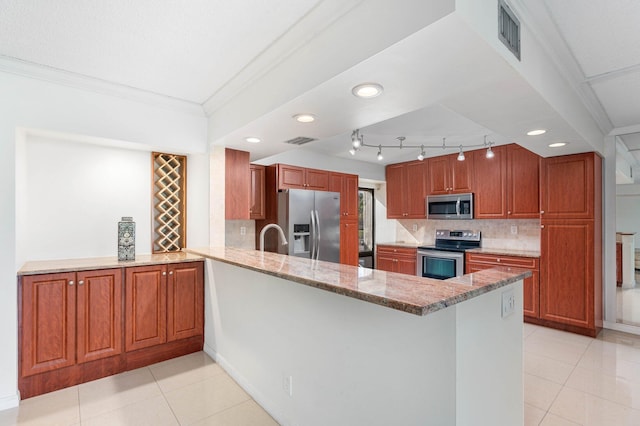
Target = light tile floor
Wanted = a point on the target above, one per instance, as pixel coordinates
(190, 390)
(576, 380)
(568, 380)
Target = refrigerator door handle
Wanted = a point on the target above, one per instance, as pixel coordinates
(313, 235)
(317, 235)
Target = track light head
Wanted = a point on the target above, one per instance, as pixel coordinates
(461, 155)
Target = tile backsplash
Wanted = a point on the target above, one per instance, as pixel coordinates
(496, 233)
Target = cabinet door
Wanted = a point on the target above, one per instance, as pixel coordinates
(490, 197)
(48, 322)
(256, 208)
(237, 184)
(349, 243)
(406, 265)
(335, 184)
(415, 191)
(438, 170)
(99, 320)
(567, 272)
(567, 186)
(290, 177)
(317, 180)
(145, 307)
(461, 174)
(349, 201)
(531, 295)
(185, 295)
(523, 183)
(395, 191)
(386, 262)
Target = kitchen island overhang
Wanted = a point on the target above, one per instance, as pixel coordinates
(397, 350)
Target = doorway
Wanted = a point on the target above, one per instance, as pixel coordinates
(366, 226)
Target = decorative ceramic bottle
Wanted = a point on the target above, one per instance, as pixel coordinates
(127, 239)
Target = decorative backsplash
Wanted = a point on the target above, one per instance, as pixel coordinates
(495, 233)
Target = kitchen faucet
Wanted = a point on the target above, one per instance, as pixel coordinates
(266, 228)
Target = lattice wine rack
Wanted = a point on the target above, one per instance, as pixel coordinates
(169, 202)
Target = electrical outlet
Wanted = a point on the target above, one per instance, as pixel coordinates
(508, 303)
(415, 227)
(287, 385)
(243, 230)
(514, 229)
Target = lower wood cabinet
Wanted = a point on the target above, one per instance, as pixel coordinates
(396, 259)
(530, 286)
(80, 326)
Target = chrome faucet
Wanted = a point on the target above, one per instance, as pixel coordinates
(266, 228)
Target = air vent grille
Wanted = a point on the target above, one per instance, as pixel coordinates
(508, 28)
(300, 140)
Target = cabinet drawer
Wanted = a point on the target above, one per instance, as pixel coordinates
(397, 251)
(518, 262)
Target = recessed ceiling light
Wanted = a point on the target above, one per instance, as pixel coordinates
(557, 144)
(305, 118)
(367, 90)
(252, 139)
(536, 132)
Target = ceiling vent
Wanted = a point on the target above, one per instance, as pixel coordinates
(508, 28)
(300, 140)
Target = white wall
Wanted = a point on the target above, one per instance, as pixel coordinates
(627, 214)
(35, 104)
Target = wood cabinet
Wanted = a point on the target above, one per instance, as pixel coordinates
(257, 203)
(530, 286)
(568, 186)
(293, 177)
(447, 175)
(619, 264)
(396, 259)
(347, 186)
(571, 243)
(237, 185)
(406, 190)
(507, 185)
(79, 326)
(163, 303)
(69, 318)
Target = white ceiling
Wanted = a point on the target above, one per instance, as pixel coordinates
(441, 80)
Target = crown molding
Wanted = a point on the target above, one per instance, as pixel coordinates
(539, 21)
(28, 69)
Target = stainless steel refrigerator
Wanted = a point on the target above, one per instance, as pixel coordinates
(311, 222)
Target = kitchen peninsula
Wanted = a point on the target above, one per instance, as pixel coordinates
(319, 343)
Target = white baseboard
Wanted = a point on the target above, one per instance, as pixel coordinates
(621, 327)
(264, 402)
(9, 402)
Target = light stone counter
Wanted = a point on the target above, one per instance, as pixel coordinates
(93, 263)
(416, 295)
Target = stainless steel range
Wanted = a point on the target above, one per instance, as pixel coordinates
(445, 259)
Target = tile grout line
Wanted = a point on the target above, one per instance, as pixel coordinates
(175, 416)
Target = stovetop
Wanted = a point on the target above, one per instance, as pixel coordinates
(457, 240)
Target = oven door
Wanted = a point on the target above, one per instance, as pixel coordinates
(440, 264)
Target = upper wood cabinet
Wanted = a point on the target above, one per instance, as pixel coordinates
(568, 186)
(237, 185)
(507, 185)
(406, 190)
(257, 204)
(447, 175)
(293, 177)
(347, 186)
(69, 318)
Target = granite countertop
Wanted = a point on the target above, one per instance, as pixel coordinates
(402, 244)
(412, 294)
(92, 263)
(505, 252)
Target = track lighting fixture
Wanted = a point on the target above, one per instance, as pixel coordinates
(357, 142)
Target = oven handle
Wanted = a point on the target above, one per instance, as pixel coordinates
(458, 207)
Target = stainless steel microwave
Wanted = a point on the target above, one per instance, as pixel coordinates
(450, 206)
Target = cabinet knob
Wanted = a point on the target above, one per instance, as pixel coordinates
(164, 273)
(170, 272)
(498, 260)
(541, 211)
(81, 282)
(541, 226)
(70, 282)
(509, 212)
